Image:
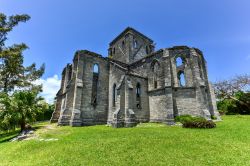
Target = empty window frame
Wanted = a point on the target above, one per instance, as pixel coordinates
(155, 67)
(200, 68)
(123, 43)
(135, 43)
(95, 84)
(114, 95)
(138, 95)
(147, 50)
(179, 61)
(181, 79)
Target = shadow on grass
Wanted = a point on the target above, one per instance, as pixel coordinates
(5, 137)
(37, 127)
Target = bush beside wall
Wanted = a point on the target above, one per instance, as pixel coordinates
(189, 121)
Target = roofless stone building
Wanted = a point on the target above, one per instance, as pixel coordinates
(134, 84)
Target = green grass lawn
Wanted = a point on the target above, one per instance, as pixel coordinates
(147, 144)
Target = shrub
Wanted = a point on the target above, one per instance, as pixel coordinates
(234, 107)
(182, 118)
(188, 118)
(222, 112)
(213, 117)
(199, 124)
(46, 112)
(189, 121)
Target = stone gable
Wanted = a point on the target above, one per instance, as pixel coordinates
(134, 84)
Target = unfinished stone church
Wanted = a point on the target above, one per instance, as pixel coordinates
(134, 84)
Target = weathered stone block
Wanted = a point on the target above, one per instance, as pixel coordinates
(134, 84)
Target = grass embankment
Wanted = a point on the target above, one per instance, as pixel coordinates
(147, 144)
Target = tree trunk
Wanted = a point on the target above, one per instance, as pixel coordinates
(5, 88)
(241, 102)
(22, 125)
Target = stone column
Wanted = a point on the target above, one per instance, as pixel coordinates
(201, 96)
(119, 114)
(56, 114)
(65, 113)
(77, 96)
(168, 88)
(195, 68)
(130, 120)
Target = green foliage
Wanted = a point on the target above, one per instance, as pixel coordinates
(19, 109)
(213, 117)
(13, 74)
(245, 97)
(227, 106)
(233, 107)
(46, 112)
(182, 118)
(189, 121)
(7, 24)
(234, 95)
(199, 124)
(188, 118)
(7, 118)
(222, 112)
(12, 71)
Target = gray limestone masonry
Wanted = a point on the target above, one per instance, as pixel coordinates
(134, 84)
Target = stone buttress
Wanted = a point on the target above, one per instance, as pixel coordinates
(134, 84)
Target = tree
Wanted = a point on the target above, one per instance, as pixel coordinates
(19, 109)
(236, 90)
(12, 71)
(7, 120)
(19, 101)
(7, 24)
(46, 111)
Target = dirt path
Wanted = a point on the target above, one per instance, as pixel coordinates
(36, 134)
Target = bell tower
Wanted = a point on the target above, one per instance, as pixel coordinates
(130, 46)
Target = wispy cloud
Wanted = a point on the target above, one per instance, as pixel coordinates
(50, 87)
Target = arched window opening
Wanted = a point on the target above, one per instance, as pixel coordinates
(69, 73)
(96, 69)
(181, 78)
(135, 44)
(110, 52)
(138, 95)
(114, 50)
(155, 67)
(179, 62)
(138, 90)
(95, 84)
(123, 44)
(147, 50)
(114, 94)
(155, 84)
(200, 69)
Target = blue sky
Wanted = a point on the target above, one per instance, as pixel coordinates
(221, 29)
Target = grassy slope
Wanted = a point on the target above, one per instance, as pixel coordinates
(148, 144)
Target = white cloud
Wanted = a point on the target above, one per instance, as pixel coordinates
(51, 86)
